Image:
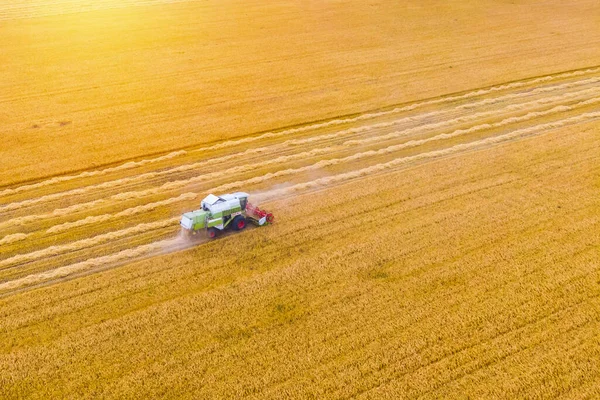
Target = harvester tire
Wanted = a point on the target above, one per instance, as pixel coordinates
(239, 223)
(211, 233)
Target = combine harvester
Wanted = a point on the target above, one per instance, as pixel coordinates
(219, 212)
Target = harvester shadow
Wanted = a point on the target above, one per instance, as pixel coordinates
(202, 237)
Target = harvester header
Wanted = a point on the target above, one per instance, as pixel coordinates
(217, 213)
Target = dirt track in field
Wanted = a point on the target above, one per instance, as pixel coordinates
(68, 224)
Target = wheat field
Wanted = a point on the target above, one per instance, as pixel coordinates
(434, 170)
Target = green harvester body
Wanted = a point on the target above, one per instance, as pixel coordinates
(219, 212)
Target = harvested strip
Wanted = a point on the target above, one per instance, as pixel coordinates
(291, 171)
(462, 119)
(506, 121)
(249, 167)
(394, 148)
(170, 185)
(161, 246)
(413, 106)
(58, 179)
(512, 96)
(78, 191)
(128, 212)
(176, 244)
(304, 128)
(432, 154)
(85, 243)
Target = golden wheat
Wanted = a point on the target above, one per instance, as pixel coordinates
(435, 199)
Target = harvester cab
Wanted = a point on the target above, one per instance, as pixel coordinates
(217, 213)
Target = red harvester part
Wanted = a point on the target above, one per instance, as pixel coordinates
(253, 210)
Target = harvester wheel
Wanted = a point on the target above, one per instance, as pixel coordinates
(211, 232)
(239, 223)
